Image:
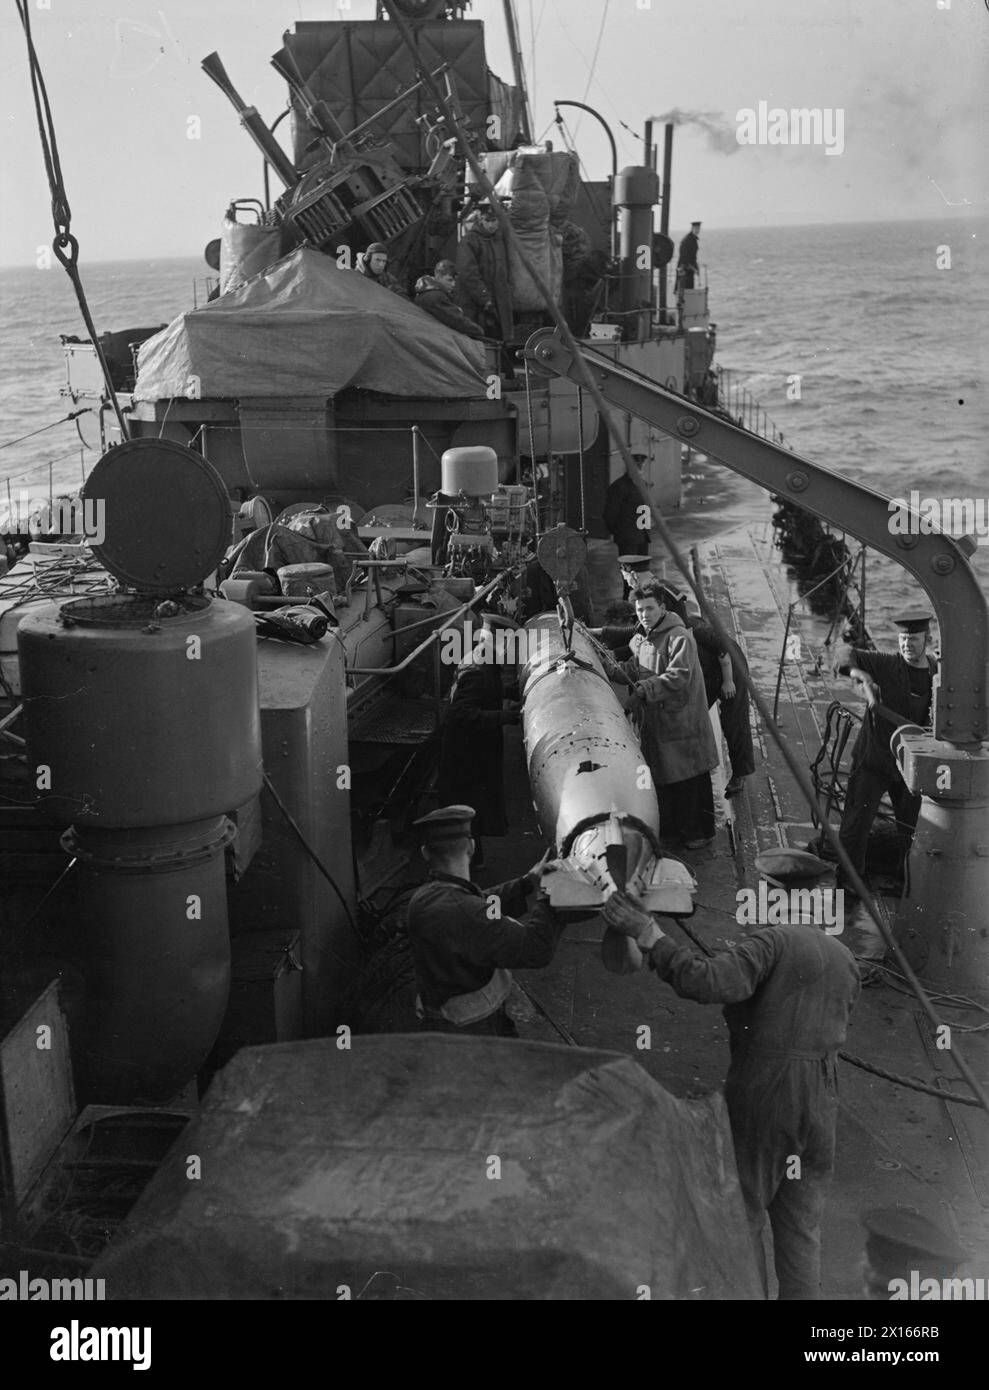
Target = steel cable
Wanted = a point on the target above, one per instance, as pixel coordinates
(72, 415)
(65, 245)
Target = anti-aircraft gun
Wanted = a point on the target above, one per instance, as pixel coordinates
(344, 192)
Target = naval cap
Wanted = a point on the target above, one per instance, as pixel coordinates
(636, 563)
(448, 823)
(897, 1236)
(913, 620)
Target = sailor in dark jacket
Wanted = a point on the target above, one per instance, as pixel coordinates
(466, 940)
(903, 683)
(725, 667)
(687, 260)
(626, 514)
(435, 292)
(482, 276)
(788, 992)
(472, 749)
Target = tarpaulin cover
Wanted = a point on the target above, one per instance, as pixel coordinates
(541, 189)
(305, 328)
(445, 1168)
(357, 67)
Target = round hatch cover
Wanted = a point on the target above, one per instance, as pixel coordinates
(162, 515)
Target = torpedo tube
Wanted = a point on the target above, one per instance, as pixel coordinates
(143, 731)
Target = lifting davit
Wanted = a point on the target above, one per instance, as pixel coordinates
(940, 924)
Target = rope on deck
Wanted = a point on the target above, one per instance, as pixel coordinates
(910, 1082)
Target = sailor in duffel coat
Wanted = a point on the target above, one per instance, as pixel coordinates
(676, 735)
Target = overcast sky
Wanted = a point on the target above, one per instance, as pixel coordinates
(909, 77)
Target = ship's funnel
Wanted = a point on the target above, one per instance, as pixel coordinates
(252, 121)
(636, 192)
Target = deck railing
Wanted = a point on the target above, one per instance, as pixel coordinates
(737, 401)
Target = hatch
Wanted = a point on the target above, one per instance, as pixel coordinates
(164, 513)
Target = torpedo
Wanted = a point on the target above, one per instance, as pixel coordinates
(591, 787)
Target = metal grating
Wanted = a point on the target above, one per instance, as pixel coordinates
(394, 722)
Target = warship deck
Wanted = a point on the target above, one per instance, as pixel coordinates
(896, 1146)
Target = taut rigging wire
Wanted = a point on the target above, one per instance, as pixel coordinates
(65, 245)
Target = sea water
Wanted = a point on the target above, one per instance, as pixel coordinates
(884, 335)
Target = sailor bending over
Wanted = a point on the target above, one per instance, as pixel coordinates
(788, 992)
(466, 940)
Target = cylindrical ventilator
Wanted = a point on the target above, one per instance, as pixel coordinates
(143, 732)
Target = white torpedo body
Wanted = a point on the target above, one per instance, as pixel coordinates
(590, 785)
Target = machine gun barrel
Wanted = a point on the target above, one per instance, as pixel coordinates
(252, 121)
(318, 113)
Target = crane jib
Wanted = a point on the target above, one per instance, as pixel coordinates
(937, 561)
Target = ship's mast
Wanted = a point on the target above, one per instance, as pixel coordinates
(511, 24)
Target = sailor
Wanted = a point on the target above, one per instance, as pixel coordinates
(687, 259)
(676, 735)
(472, 749)
(788, 992)
(626, 514)
(725, 669)
(583, 273)
(723, 666)
(435, 294)
(482, 274)
(898, 685)
(465, 941)
(374, 267)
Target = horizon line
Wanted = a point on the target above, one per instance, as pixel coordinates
(950, 211)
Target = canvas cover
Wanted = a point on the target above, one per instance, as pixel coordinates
(302, 327)
(540, 189)
(358, 66)
(438, 1167)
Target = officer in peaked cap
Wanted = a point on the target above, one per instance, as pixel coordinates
(447, 824)
(465, 941)
(898, 684)
(901, 1248)
(637, 568)
(687, 259)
